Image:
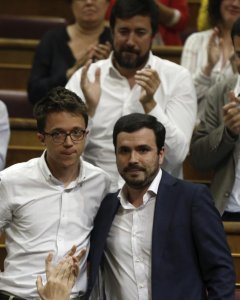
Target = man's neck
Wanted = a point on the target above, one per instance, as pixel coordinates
(65, 175)
(135, 196)
(126, 72)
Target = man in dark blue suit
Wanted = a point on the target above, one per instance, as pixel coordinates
(158, 237)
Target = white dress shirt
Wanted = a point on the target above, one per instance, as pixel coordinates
(176, 110)
(40, 215)
(128, 252)
(4, 134)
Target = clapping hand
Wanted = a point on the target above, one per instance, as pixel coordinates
(231, 114)
(60, 278)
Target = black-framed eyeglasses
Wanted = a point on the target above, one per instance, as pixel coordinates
(59, 137)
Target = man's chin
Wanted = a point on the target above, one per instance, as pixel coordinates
(128, 64)
(137, 184)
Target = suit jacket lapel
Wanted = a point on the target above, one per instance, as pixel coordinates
(164, 208)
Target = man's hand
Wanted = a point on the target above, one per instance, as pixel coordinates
(149, 80)
(231, 114)
(91, 90)
(60, 279)
(213, 51)
(94, 52)
(100, 51)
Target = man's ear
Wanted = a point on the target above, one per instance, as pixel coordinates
(161, 156)
(41, 138)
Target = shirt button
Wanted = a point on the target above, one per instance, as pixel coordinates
(227, 194)
(141, 286)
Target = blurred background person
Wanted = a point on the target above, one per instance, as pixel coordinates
(4, 134)
(63, 50)
(174, 16)
(215, 143)
(208, 55)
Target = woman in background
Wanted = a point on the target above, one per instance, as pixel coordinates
(63, 50)
(209, 54)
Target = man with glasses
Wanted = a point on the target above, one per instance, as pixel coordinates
(49, 203)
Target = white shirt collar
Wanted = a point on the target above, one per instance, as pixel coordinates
(152, 190)
(50, 177)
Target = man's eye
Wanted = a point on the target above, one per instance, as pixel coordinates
(141, 33)
(57, 134)
(123, 150)
(143, 150)
(123, 32)
(76, 132)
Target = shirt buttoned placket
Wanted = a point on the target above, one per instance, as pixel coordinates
(138, 261)
(63, 221)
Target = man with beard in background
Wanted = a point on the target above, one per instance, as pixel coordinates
(133, 80)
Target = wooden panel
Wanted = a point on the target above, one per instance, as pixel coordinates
(172, 53)
(24, 143)
(59, 8)
(14, 77)
(17, 51)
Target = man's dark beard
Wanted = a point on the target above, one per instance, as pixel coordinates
(139, 184)
(123, 62)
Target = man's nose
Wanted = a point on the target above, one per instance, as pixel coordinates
(133, 157)
(68, 141)
(131, 39)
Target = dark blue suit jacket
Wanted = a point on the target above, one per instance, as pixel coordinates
(190, 256)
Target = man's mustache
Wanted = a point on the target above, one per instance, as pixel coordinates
(130, 50)
(133, 168)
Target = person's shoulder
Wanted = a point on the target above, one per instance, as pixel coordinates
(2, 106)
(199, 36)
(19, 170)
(3, 110)
(55, 34)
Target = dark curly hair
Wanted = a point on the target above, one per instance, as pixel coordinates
(58, 99)
(136, 121)
(124, 9)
